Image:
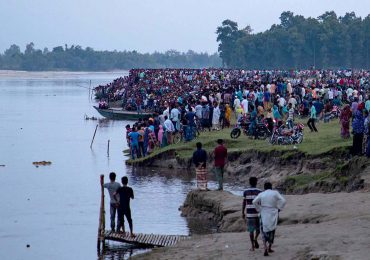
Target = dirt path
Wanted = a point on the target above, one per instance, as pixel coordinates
(314, 226)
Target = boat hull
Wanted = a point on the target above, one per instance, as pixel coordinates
(117, 114)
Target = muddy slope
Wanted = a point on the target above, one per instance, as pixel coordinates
(292, 172)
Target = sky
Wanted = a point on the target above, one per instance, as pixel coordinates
(147, 25)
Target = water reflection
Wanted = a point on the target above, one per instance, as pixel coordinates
(119, 251)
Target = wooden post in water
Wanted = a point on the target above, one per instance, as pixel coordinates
(93, 136)
(101, 227)
(108, 148)
(92, 91)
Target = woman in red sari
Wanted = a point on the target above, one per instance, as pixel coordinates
(345, 118)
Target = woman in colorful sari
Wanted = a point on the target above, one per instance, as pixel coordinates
(345, 118)
(358, 133)
(228, 115)
(253, 123)
(276, 114)
(152, 141)
(239, 113)
(146, 139)
(160, 135)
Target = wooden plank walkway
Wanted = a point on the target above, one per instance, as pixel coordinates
(149, 240)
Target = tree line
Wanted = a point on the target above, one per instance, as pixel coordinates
(328, 41)
(76, 58)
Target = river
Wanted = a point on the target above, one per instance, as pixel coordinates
(54, 208)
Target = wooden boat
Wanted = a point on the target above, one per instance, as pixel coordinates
(119, 114)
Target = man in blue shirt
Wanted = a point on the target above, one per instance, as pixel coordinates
(319, 106)
(134, 138)
(189, 131)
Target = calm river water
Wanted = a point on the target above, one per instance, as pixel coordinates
(54, 209)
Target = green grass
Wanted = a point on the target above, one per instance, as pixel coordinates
(327, 139)
(304, 180)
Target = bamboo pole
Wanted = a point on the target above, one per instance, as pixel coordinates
(93, 136)
(108, 148)
(101, 227)
(92, 91)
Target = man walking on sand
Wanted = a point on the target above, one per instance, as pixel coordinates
(220, 154)
(268, 203)
(249, 211)
(200, 161)
(124, 193)
(112, 188)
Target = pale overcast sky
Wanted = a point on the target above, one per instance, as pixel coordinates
(147, 25)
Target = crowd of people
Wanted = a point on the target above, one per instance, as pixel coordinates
(209, 98)
(188, 99)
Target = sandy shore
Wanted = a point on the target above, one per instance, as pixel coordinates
(314, 226)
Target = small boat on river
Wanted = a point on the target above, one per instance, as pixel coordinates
(119, 114)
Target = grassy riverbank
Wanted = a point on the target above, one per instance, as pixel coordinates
(327, 139)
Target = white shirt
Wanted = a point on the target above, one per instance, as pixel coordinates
(349, 92)
(236, 102)
(331, 94)
(169, 126)
(282, 101)
(175, 114)
(166, 112)
(293, 101)
(198, 111)
(268, 204)
(245, 105)
(289, 88)
(216, 115)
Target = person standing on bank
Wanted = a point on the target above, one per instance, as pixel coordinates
(311, 121)
(112, 188)
(124, 193)
(249, 211)
(200, 161)
(220, 155)
(268, 203)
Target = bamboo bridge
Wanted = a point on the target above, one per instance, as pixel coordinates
(144, 240)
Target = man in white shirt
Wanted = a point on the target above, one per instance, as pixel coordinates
(292, 101)
(268, 203)
(289, 88)
(303, 92)
(290, 119)
(198, 110)
(282, 102)
(175, 117)
(166, 112)
(330, 94)
(236, 102)
(245, 105)
(112, 187)
(169, 128)
(349, 92)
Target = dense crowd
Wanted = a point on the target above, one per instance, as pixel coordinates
(208, 98)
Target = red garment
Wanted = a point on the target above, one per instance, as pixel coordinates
(220, 155)
(361, 106)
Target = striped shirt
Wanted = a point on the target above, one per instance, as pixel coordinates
(249, 195)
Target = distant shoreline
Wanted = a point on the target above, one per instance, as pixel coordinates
(49, 74)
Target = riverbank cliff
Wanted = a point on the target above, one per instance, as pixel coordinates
(291, 171)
